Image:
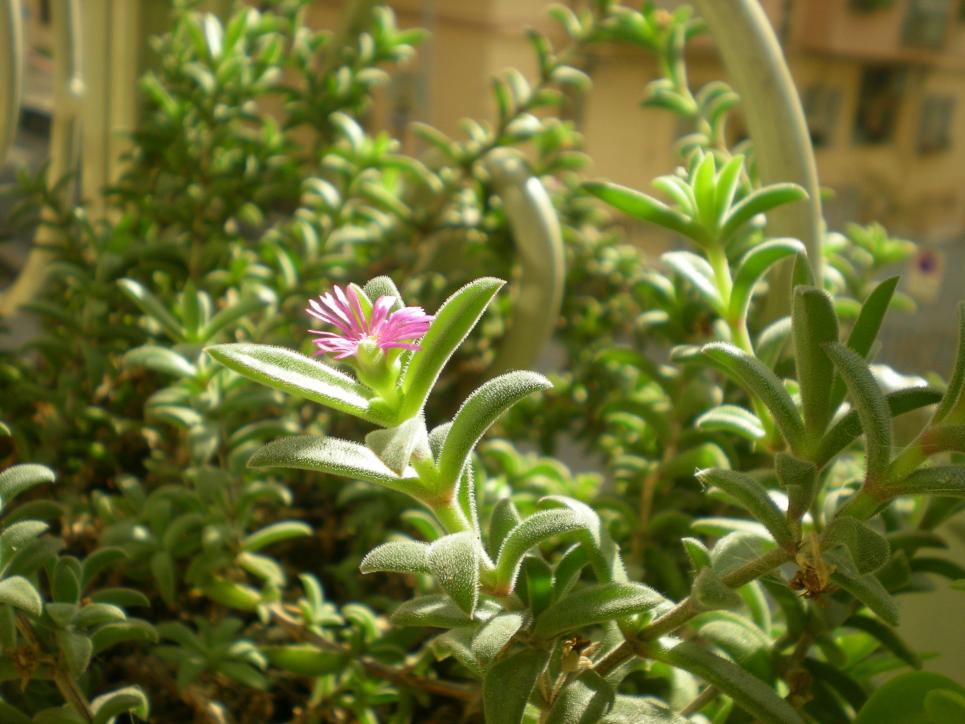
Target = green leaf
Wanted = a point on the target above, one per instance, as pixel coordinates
(868, 548)
(902, 700)
(814, 324)
(944, 480)
(130, 700)
(751, 496)
(710, 593)
(162, 569)
(704, 177)
(304, 659)
(699, 273)
(843, 432)
(753, 266)
(732, 419)
(885, 635)
(740, 639)
(20, 478)
(864, 587)
(504, 518)
(945, 705)
(870, 403)
(532, 531)
(398, 556)
(132, 630)
(76, 649)
(434, 610)
(800, 479)
(454, 563)
(152, 307)
(330, 455)
(954, 396)
(761, 382)
(759, 202)
(584, 700)
(60, 715)
(160, 359)
(509, 683)
(477, 414)
(20, 593)
(231, 594)
(494, 635)
(726, 184)
(234, 312)
(646, 208)
(396, 446)
(294, 373)
(593, 604)
(747, 691)
(275, 533)
(602, 552)
(453, 322)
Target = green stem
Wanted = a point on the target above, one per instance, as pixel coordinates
(451, 516)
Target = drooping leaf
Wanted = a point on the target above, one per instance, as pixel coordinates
(698, 272)
(19, 478)
(434, 610)
(753, 266)
(752, 496)
(757, 202)
(585, 700)
(530, 532)
(593, 604)
(509, 683)
(399, 556)
(152, 307)
(864, 587)
(602, 551)
(160, 359)
(20, 593)
(733, 419)
(275, 533)
(130, 700)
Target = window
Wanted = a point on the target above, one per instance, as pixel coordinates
(935, 124)
(821, 110)
(878, 103)
(925, 23)
(45, 12)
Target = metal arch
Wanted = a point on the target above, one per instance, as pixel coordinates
(64, 143)
(11, 72)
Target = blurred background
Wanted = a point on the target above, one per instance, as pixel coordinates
(882, 83)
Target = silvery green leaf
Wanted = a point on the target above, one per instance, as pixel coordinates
(868, 549)
(530, 532)
(603, 553)
(741, 640)
(944, 480)
(76, 649)
(509, 683)
(733, 419)
(864, 587)
(504, 518)
(752, 267)
(698, 272)
(435, 610)
(641, 710)
(20, 593)
(751, 496)
(160, 359)
(495, 634)
(395, 446)
(814, 324)
(709, 593)
(456, 643)
(594, 604)
(584, 700)
(19, 478)
(399, 556)
(737, 549)
(454, 563)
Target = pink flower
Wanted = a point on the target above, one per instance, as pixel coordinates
(383, 329)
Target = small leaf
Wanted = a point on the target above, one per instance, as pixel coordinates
(435, 610)
(754, 265)
(868, 548)
(733, 419)
(504, 518)
(761, 382)
(20, 593)
(698, 272)
(152, 307)
(814, 324)
(397, 445)
(477, 414)
(129, 700)
(130, 631)
(304, 659)
(864, 587)
(291, 372)
(584, 700)
(399, 556)
(160, 359)
(752, 496)
(454, 563)
(954, 396)
(453, 322)
(593, 604)
(748, 692)
(871, 405)
(329, 455)
(710, 593)
(20, 478)
(231, 594)
(530, 532)
(76, 649)
(509, 683)
(275, 533)
(759, 202)
(494, 635)
(646, 208)
(886, 636)
(944, 480)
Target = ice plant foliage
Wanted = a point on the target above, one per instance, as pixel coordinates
(381, 329)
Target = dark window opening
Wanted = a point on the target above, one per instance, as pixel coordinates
(935, 124)
(925, 24)
(878, 104)
(821, 110)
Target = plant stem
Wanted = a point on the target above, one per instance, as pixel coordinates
(72, 694)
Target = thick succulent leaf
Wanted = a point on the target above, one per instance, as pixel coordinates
(152, 307)
(747, 691)
(530, 532)
(753, 266)
(641, 710)
(594, 604)
(456, 643)
(757, 202)
(886, 636)
(395, 446)
(752, 496)
(585, 700)
(495, 634)
(954, 395)
(454, 563)
(741, 640)
(382, 287)
(434, 610)
(509, 683)
(800, 479)
(453, 322)
(275, 533)
(644, 207)
(871, 405)
(304, 659)
(710, 593)
(294, 373)
(814, 324)
(160, 359)
(760, 381)
(603, 553)
(398, 556)
(130, 700)
(869, 549)
(504, 518)
(19, 478)
(76, 649)
(944, 480)
(902, 699)
(843, 432)
(739, 548)
(477, 414)
(698, 272)
(329, 455)
(864, 587)
(732, 419)
(20, 593)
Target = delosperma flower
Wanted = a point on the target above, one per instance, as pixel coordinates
(382, 329)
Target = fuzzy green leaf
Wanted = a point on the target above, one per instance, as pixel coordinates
(645, 208)
(602, 552)
(454, 563)
(954, 397)
(477, 414)
(753, 266)
(530, 532)
(294, 373)
(398, 556)
(453, 322)
(152, 307)
(864, 587)
(494, 635)
(20, 478)
(868, 548)
(761, 382)
(902, 700)
(329, 455)
(698, 272)
(160, 359)
(871, 405)
(584, 700)
(593, 604)
(751, 496)
(504, 518)
(814, 324)
(20, 593)
(732, 419)
(434, 610)
(304, 659)
(886, 636)
(275, 533)
(759, 202)
(747, 691)
(130, 699)
(710, 593)
(944, 480)
(509, 683)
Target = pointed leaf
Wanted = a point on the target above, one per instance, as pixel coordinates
(886, 636)
(20, 478)
(602, 552)
(868, 548)
(396, 446)
(759, 202)
(453, 322)
(398, 556)
(20, 593)
(454, 563)
(594, 604)
(494, 635)
(732, 419)
(814, 324)
(477, 414)
(753, 266)
(698, 272)
(584, 700)
(954, 396)
(944, 480)
(509, 683)
(329, 455)
(752, 496)
(435, 610)
(532, 531)
(864, 587)
(152, 307)
(160, 359)
(645, 208)
(275, 533)
(504, 518)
